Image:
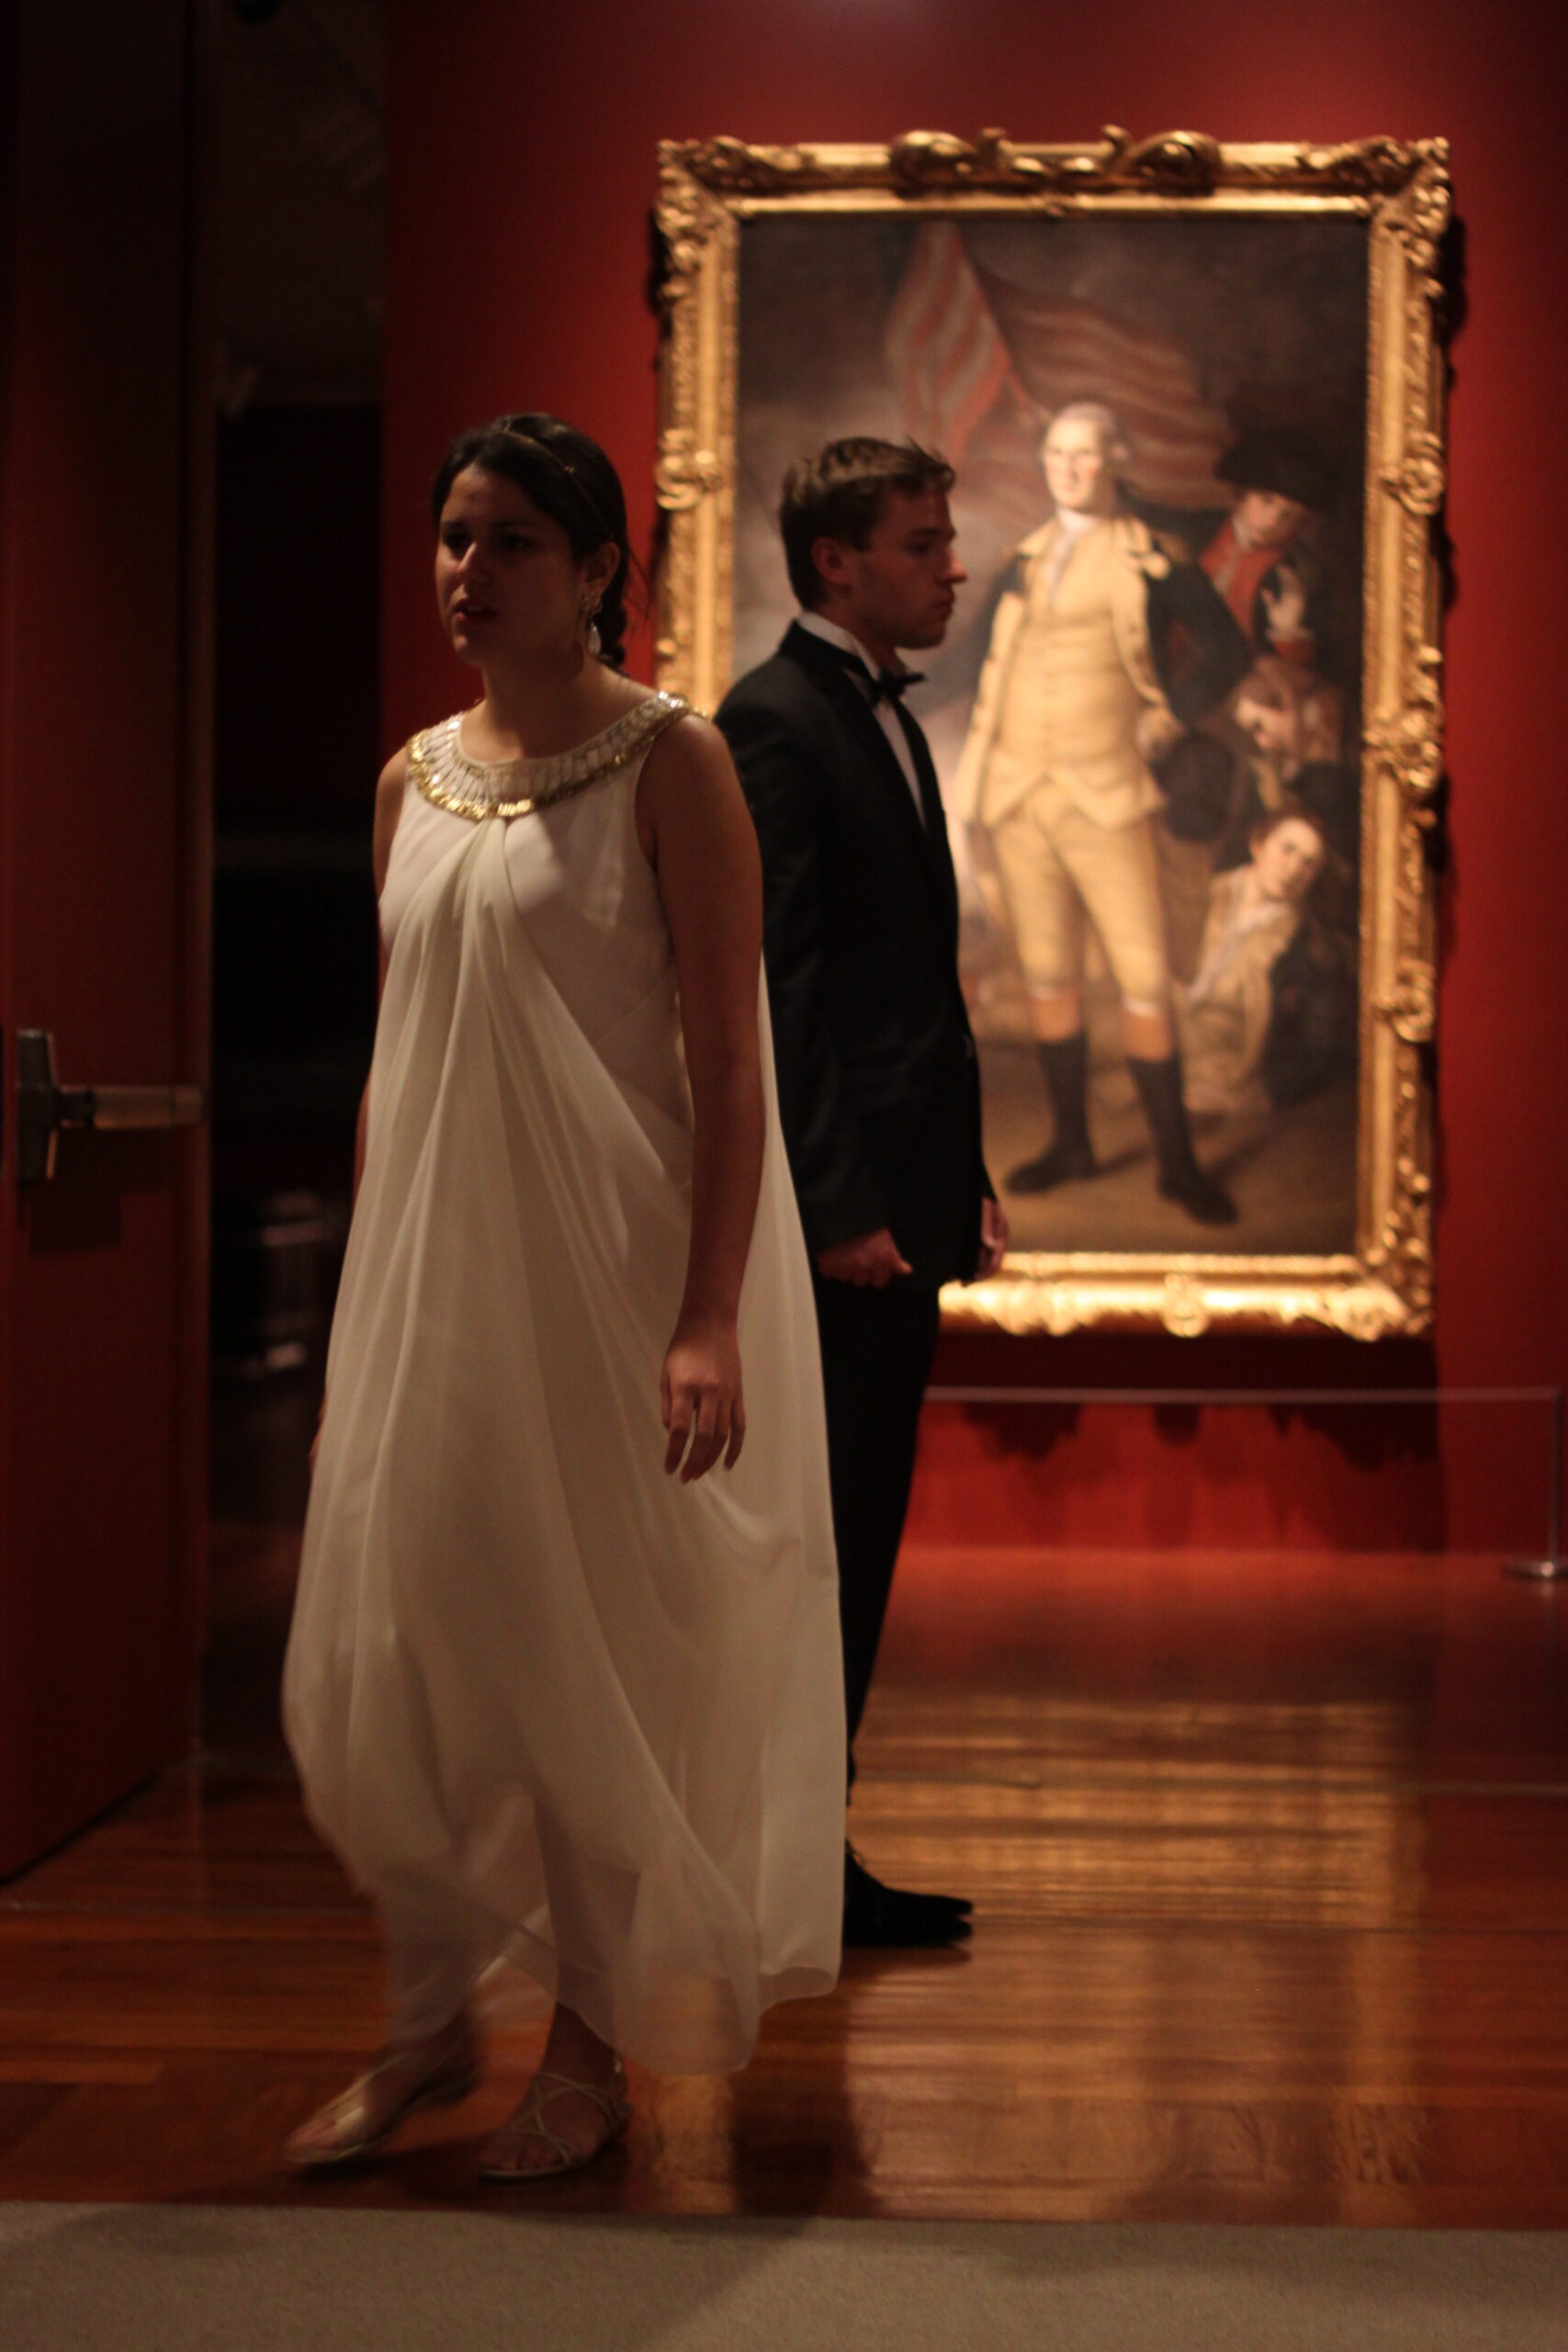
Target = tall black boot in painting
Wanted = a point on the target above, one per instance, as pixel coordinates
(1065, 1061)
(1180, 1177)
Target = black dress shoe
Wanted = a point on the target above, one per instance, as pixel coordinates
(1205, 1202)
(855, 1868)
(891, 1918)
(1062, 1164)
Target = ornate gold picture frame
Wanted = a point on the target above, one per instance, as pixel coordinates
(989, 282)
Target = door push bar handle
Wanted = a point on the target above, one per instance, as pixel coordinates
(44, 1106)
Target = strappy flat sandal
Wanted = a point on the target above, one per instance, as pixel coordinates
(528, 2123)
(355, 2136)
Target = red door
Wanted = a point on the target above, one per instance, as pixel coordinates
(102, 893)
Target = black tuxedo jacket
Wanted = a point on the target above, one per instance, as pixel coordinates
(879, 1087)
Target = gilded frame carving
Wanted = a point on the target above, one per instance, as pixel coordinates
(708, 188)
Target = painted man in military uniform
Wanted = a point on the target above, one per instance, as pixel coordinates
(1074, 710)
(1275, 586)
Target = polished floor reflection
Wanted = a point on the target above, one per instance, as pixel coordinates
(1269, 1857)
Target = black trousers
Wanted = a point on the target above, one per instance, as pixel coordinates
(876, 1356)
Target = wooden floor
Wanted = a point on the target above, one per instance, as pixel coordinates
(1269, 1862)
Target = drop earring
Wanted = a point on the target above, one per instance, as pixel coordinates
(595, 642)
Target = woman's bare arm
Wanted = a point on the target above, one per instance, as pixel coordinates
(390, 787)
(696, 831)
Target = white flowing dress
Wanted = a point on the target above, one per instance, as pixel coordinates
(546, 1700)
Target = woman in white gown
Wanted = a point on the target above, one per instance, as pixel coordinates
(556, 1691)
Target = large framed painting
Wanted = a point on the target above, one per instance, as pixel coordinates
(1186, 720)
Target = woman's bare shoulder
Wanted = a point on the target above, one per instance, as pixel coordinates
(390, 787)
(393, 782)
(688, 791)
(690, 751)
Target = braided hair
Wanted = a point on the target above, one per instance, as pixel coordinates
(569, 478)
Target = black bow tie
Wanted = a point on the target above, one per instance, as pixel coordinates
(892, 685)
(887, 685)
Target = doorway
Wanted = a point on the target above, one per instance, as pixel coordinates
(297, 311)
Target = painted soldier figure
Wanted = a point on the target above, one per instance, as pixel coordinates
(1274, 585)
(1077, 706)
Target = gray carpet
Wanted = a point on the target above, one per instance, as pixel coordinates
(208, 2278)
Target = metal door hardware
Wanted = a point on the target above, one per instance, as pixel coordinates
(44, 1106)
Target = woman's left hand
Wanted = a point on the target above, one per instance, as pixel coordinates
(704, 1410)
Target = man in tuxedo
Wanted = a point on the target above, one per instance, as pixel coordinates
(878, 1081)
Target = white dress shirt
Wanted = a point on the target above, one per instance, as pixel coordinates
(882, 711)
(1071, 529)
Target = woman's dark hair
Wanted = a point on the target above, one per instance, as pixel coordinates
(569, 479)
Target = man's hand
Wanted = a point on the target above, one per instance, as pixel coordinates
(870, 1260)
(993, 1239)
(1286, 605)
(1156, 731)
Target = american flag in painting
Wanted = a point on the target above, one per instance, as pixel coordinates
(946, 353)
(958, 337)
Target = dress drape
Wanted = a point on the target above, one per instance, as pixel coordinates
(544, 1699)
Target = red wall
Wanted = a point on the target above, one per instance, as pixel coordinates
(523, 166)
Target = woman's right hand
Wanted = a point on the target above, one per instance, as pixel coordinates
(701, 1395)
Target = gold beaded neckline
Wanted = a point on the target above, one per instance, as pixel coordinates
(479, 788)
